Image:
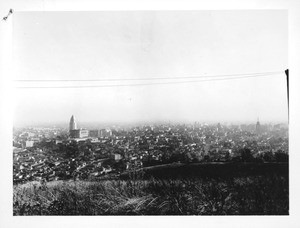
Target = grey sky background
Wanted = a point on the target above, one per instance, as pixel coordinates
(146, 44)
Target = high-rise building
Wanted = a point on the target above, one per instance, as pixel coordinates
(258, 127)
(72, 125)
(77, 133)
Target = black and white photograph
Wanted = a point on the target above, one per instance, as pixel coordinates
(151, 113)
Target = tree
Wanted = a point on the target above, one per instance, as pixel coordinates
(246, 155)
(72, 149)
(268, 156)
(280, 156)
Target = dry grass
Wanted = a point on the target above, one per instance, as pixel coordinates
(249, 195)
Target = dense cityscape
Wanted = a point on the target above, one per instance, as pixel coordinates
(74, 153)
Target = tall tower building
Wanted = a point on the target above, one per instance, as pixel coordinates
(72, 125)
(258, 127)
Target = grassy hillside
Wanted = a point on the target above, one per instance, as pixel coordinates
(255, 195)
(216, 170)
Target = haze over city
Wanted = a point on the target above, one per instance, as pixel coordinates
(141, 45)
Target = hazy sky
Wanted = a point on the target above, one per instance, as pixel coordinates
(149, 44)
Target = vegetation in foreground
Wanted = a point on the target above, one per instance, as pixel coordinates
(255, 195)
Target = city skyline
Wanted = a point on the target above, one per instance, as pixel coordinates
(98, 124)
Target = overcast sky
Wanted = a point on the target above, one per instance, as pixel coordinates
(150, 44)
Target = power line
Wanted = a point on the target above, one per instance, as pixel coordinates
(143, 84)
(142, 79)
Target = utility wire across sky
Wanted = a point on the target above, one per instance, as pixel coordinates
(138, 79)
(213, 78)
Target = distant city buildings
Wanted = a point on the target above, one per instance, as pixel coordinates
(94, 133)
(117, 157)
(105, 133)
(258, 127)
(29, 143)
(64, 153)
(72, 125)
(77, 133)
(83, 133)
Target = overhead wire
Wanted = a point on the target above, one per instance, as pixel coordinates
(221, 78)
(138, 79)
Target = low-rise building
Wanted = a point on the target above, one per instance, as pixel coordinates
(94, 133)
(29, 143)
(105, 133)
(79, 133)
